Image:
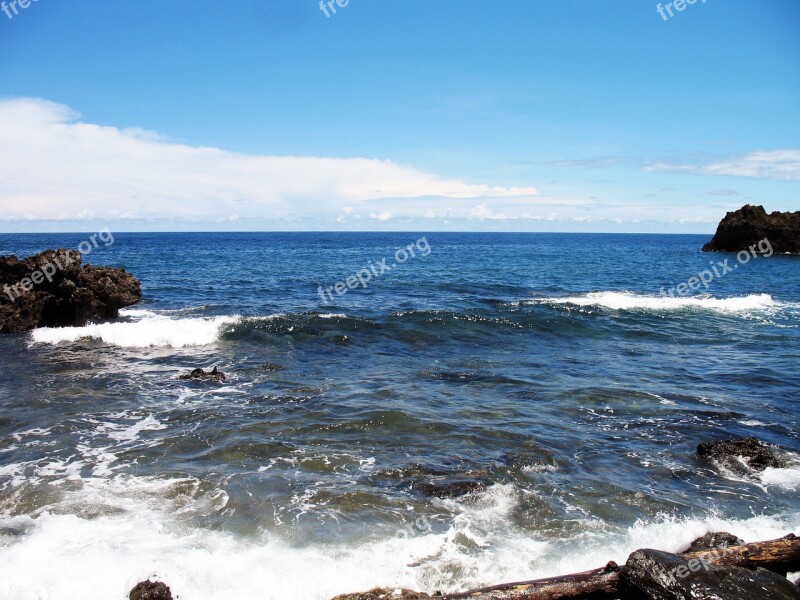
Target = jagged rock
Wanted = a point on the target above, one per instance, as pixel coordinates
(758, 455)
(51, 289)
(660, 575)
(201, 375)
(150, 590)
(712, 541)
(741, 229)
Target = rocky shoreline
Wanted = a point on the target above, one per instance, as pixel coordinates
(711, 568)
(718, 565)
(52, 289)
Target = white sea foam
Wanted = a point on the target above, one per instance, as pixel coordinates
(148, 331)
(630, 301)
(105, 556)
(752, 423)
(788, 478)
(137, 313)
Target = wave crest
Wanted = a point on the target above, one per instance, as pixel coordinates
(631, 301)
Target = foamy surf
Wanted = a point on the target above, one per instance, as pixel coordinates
(631, 301)
(148, 331)
(142, 538)
(788, 478)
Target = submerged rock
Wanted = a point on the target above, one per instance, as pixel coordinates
(449, 489)
(758, 455)
(51, 289)
(713, 541)
(663, 576)
(741, 229)
(436, 481)
(150, 590)
(201, 375)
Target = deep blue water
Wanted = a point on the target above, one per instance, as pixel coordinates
(548, 369)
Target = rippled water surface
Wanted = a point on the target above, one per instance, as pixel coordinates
(506, 407)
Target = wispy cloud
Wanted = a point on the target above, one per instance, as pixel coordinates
(591, 163)
(53, 166)
(781, 165)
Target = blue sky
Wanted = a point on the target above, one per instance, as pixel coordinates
(517, 115)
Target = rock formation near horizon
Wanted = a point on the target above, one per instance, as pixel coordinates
(740, 229)
(51, 289)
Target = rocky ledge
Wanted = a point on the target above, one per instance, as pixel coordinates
(52, 289)
(746, 227)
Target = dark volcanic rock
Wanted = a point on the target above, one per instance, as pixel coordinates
(201, 375)
(150, 590)
(436, 481)
(712, 541)
(663, 576)
(450, 489)
(53, 290)
(740, 229)
(759, 456)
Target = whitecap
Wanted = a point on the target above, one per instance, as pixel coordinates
(631, 301)
(150, 331)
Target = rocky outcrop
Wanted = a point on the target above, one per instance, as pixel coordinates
(757, 455)
(53, 290)
(201, 375)
(746, 227)
(150, 590)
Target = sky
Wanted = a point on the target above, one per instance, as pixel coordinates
(415, 115)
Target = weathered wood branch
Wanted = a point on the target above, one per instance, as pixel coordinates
(780, 556)
(600, 583)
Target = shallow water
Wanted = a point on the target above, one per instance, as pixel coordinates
(548, 368)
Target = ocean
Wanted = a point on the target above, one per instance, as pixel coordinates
(484, 408)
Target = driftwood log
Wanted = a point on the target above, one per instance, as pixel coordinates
(780, 556)
(600, 583)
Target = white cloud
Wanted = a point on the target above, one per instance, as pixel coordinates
(53, 166)
(482, 211)
(782, 165)
(384, 216)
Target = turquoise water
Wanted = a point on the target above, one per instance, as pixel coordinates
(547, 374)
